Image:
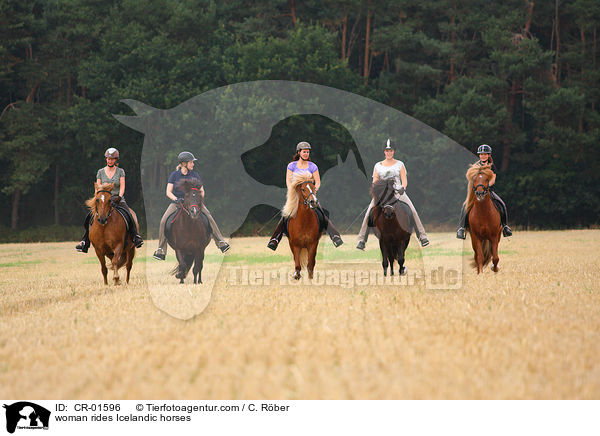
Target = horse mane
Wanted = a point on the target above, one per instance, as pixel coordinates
(473, 171)
(186, 185)
(291, 203)
(379, 187)
(91, 202)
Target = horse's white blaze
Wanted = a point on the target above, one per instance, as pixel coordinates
(102, 197)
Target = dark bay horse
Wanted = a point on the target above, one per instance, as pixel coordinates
(303, 225)
(484, 218)
(189, 232)
(393, 223)
(108, 233)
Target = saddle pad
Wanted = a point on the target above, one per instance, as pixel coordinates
(173, 217)
(397, 206)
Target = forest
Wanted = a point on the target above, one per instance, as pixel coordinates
(519, 75)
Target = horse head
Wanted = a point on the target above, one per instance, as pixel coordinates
(192, 200)
(383, 192)
(101, 203)
(308, 193)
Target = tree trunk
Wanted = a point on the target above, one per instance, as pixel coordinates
(56, 185)
(453, 40)
(14, 219)
(557, 36)
(293, 12)
(529, 16)
(367, 44)
(506, 151)
(344, 32)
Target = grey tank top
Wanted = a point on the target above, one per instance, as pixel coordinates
(116, 179)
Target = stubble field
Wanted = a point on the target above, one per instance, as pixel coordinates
(530, 331)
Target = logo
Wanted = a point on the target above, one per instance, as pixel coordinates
(26, 415)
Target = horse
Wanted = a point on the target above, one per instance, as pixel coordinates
(188, 232)
(484, 218)
(108, 232)
(393, 223)
(303, 225)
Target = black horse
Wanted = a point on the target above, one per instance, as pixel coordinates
(188, 232)
(393, 222)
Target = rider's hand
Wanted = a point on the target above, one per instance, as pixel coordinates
(401, 190)
(179, 200)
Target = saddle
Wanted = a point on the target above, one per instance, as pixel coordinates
(175, 215)
(321, 218)
(398, 206)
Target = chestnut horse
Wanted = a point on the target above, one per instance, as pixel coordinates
(189, 233)
(484, 218)
(108, 233)
(303, 225)
(393, 223)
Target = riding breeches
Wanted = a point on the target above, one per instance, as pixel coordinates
(419, 229)
(162, 239)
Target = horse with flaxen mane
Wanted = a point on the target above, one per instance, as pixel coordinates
(303, 226)
(108, 232)
(484, 218)
(393, 223)
(188, 232)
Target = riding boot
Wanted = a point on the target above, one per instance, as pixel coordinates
(83, 246)
(462, 222)
(506, 231)
(333, 232)
(277, 234)
(135, 236)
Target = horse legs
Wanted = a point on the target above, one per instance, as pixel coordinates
(478, 250)
(384, 256)
(401, 267)
(181, 265)
(118, 252)
(495, 257)
(128, 265)
(296, 252)
(198, 264)
(103, 267)
(312, 254)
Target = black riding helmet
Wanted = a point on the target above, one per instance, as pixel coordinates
(389, 145)
(185, 156)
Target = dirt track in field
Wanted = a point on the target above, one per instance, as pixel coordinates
(530, 331)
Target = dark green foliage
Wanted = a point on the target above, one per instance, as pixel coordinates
(500, 73)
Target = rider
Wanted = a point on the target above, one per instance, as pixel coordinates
(387, 169)
(184, 170)
(111, 173)
(484, 152)
(301, 164)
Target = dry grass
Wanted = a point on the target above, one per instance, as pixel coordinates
(530, 331)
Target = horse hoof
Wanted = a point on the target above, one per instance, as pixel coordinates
(296, 276)
(403, 271)
(181, 281)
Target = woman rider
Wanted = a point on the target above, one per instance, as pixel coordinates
(390, 168)
(184, 171)
(301, 164)
(484, 152)
(111, 173)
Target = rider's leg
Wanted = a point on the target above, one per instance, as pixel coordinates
(278, 234)
(421, 235)
(133, 230)
(333, 233)
(161, 252)
(217, 236)
(85, 239)
(506, 231)
(462, 223)
(363, 234)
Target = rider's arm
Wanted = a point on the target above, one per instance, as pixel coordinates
(122, 186)
(288, 178)
(98, 184)
(170, 192)
(202, 191)
(403, 176)
(317, 178)
(375, 176)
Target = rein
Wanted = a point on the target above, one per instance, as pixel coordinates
(187, 209)
(306, 199)
(110, 210)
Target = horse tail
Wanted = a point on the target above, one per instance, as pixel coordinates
(486, 247)
(303, 257)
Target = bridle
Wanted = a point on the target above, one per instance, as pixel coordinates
(306, 200)
(110, 210)
(191, 206)
(387, 201)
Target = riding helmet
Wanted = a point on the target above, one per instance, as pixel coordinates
(389, 145)
(302, 146)
(112, 152)
(484, 148)
(185, 156)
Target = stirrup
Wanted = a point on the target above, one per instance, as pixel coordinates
(337, 241)
(224, 247)
(273, 243)
(138, 241)
(159, 254)
(460, 233)
(82, 247)
(361, 245)
(506, 231)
